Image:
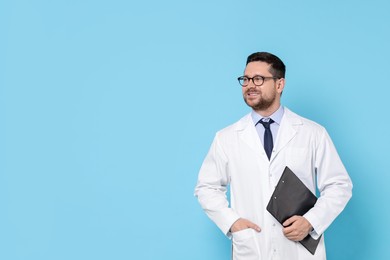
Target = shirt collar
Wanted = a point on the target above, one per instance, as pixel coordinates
(276, 116)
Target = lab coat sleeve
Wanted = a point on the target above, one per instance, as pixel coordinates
(334, 184)
(212, 186)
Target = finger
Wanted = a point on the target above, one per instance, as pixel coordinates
(293, 235)
(242, 224)
(257, 228)
(289, 221)
(254, 226)
(296, 239)
(288, 230)
(290, 236)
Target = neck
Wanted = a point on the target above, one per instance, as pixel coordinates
(269, 111)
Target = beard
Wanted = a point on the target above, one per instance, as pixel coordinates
(262, 103)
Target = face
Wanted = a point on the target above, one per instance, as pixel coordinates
(264, 98)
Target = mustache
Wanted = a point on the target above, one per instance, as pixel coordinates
(252, 91)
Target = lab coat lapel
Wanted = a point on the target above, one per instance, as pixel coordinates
(287, 131)
(247, 132)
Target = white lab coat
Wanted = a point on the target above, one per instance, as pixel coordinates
(237, 157)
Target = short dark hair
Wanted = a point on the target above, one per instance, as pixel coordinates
(277, 69)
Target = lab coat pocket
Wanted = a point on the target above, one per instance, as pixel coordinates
(300, 162)
(297, 158)
(245, 245)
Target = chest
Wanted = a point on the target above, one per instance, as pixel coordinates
(249, 166)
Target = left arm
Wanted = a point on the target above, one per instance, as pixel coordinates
(335, 188)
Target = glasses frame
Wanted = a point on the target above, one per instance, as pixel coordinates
(256, 76)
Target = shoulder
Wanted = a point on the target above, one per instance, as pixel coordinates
(304, 126)
(294, 118)
(237, 126)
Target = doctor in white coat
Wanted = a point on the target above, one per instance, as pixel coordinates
(237, 159)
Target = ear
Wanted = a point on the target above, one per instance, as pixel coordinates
(280, 85)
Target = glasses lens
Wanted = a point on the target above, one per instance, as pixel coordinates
(243, 81)
(258, 80)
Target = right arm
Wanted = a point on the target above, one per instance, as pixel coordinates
(212, 186)
(211, 192)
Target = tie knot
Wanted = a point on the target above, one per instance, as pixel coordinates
(266, 124)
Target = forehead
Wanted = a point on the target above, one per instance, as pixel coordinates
(257, 68)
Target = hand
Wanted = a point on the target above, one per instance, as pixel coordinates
(242, 224)
(296, 228)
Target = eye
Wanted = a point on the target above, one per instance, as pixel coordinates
(258, 79)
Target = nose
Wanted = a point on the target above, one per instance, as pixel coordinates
(251, 84)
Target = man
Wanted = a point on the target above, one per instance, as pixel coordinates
(251, 155)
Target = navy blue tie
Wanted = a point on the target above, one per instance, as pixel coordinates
(268, 142)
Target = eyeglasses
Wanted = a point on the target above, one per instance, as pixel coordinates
(257, 80)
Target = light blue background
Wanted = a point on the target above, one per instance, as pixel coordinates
(107, 109)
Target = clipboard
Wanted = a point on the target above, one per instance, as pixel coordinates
(292, 197)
